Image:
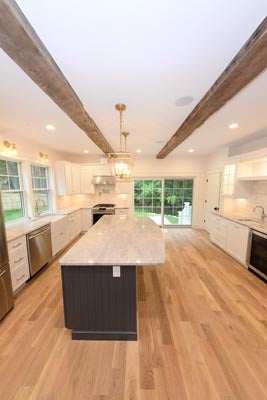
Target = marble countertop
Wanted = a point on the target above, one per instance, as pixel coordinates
(246, 221)
(119, 240)
(17, 229)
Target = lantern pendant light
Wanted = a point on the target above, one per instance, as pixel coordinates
(121, 162)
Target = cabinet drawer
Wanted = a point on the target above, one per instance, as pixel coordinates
(218, 239)
(16, 245)
(18, 257)
(20, 275)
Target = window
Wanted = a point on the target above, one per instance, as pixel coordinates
(40, 186)
(12, 193)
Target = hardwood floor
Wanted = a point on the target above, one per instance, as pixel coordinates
(202, 323)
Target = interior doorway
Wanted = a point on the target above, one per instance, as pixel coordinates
(212, 196)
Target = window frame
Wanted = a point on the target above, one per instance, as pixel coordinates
(47, 189)
(21, 189)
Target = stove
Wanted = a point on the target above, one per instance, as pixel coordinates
(101, 209)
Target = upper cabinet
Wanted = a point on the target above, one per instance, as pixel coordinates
(232, 186)
(63, 172)
(86, 179)
(253, 170)
(76, 178)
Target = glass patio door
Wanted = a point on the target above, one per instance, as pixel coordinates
(168, 202)
(148, 198)
(178, 196)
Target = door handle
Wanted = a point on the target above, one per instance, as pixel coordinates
(216, 209)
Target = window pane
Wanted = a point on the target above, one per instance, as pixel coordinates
(3, 167)
(43, 172)
(41, 200)
(12, 168)
(157, 184)
(35, 171)
(43, 183)
(138, 184)
(147, 202)
(4, 185)
(178, 184)
(188, 192)
(13, 206)
(188, 184)
(157, 193)
(14, 183)
(169, 183)
(36, 183)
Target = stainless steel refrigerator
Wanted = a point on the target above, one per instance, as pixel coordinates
(6, 293)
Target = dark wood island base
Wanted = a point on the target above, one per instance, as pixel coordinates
(99, 305)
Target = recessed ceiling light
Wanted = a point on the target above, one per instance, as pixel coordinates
(184, 101)
(233, 125)
(138, 151)
(85, 151)
(191, 150)
(50, 127)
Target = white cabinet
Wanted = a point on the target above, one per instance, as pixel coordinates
(86, 179)
(232, 186)
(231, 237)
(18, 260)
(74, 225)
(121, 211)
(59, 235)
(218, 233)
(87, 219)
(76, 179)
(237, 241)
(63, 172)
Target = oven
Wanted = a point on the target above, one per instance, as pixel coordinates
(258, 253)
(102, 209)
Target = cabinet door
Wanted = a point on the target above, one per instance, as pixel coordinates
(86, 219)
(86, 180)
(76, 179)
(63, 178)
(237, 241)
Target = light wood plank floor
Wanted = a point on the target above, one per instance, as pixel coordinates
(202, 335)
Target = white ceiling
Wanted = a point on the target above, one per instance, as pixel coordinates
(144, 53)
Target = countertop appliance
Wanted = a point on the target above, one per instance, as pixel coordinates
(99, 210)
(6, 292)
(258, 253)
(39, 248)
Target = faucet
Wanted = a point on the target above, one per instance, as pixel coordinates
(263, 215)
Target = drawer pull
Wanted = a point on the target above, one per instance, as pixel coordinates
(61, 233)
(15, 246)
(21, 277)
(20, 259)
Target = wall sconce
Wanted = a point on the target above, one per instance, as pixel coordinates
(44, 157)
(10, 148)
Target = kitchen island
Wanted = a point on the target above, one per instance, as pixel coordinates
(99, 276)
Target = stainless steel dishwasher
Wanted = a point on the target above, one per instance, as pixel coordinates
(39, 248)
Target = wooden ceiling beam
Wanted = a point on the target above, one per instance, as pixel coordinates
(19, 40)
(249, 62)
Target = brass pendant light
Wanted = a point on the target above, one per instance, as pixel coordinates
(121, 162)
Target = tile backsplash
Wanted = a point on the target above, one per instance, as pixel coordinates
(257, 198)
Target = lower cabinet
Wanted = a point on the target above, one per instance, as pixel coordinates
(231, 237)
(18, 260)
(74, 225)
(87, 219)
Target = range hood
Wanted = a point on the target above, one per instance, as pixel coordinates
(107, 180)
